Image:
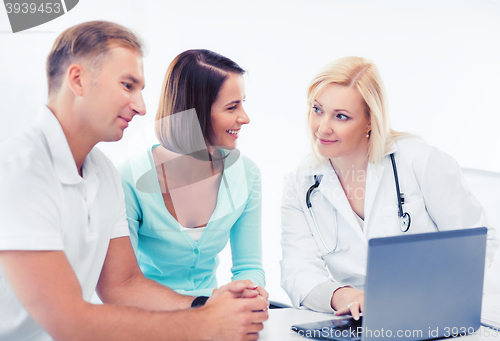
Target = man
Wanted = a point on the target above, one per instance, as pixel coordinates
(64, 232)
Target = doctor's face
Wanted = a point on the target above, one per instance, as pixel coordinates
(338, 122)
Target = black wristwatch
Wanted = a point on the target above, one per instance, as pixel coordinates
(199, 301)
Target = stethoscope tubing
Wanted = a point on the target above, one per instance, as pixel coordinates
(404, 217)
(398, 192)
(309, 193)
(321, 236)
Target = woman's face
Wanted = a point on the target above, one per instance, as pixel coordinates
(338, 122)
(228, 115)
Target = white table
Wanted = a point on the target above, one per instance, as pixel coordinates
(277, 327)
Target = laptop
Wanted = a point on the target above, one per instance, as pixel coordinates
(418, 286)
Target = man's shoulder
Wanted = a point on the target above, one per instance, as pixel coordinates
(27, 175)
(25, 151)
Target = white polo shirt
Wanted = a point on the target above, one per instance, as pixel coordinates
(46, 205)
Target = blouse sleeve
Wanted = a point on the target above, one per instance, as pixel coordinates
(245, 235)
(134, 212)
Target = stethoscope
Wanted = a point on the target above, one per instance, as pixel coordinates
(317, 181)
(404, 217)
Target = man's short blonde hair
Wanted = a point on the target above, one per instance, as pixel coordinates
(87, 41)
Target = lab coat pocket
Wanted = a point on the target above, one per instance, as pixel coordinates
(420, 220)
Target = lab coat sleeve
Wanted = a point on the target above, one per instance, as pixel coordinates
(448, 199)
(317, 298)
(245, 235)
(301, 268)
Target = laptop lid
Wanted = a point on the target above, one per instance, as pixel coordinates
(418, 286)
(423, 286)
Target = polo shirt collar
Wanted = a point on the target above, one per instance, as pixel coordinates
(62, 158)
(89, 167)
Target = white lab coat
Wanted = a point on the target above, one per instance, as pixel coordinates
(436, 196)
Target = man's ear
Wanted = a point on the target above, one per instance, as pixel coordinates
(75, 75)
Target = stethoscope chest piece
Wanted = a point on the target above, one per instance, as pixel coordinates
(405, 222)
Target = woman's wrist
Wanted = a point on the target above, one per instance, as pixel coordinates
(333, 294)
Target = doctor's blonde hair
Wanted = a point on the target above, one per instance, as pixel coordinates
(359, 73)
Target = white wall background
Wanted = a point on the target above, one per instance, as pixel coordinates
(440, 60)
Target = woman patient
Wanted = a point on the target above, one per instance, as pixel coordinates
(190, 194)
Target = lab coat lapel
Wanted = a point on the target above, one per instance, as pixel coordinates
(332, 190)
(374, 173)
(373, 178)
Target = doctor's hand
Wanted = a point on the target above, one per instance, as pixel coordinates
(348, 300)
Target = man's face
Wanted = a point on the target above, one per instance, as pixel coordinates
(112, 96)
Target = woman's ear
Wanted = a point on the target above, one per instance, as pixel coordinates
(368, 129)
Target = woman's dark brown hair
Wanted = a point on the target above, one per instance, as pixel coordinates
(190, 87)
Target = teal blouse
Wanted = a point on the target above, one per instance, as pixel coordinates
(167, 254)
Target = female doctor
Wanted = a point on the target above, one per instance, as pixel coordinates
(347, 194)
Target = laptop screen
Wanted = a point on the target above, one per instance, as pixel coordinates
(418, 286)
(424, 286)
